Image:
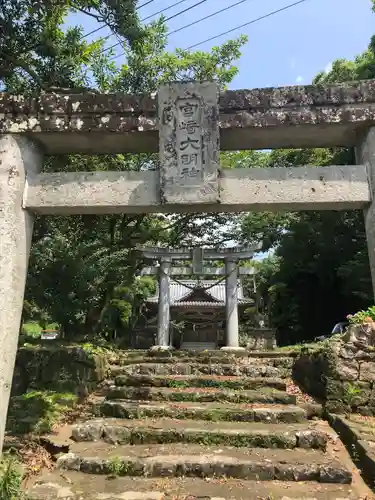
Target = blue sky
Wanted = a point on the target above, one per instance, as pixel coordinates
(286, 49)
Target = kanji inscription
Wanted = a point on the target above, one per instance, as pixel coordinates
(189, 143)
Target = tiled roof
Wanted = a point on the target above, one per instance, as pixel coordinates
(215, 294)
(190, 303)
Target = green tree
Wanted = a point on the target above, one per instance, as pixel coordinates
(35, 51)
(322, 271)
(83, 269)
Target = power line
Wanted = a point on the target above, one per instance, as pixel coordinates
(247, 24)
(93, 31)
(144, 4)
(206, 17)
(167, 19)
(145, 18)
(102, 27)
(185, 10)
(163, 10)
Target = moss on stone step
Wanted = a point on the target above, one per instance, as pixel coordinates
(205, 411)
(166, 431)
(266, 396)
(196, 381)
(198, 369)
(208, 466)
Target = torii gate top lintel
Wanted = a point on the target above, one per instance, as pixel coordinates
(198, 255)
(205, 253)
(249, 118)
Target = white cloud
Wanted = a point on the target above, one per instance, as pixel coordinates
(299, 79)
(328, 67)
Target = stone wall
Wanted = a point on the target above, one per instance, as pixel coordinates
(61, 369)
(341, 374)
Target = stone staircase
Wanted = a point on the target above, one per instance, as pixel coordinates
(202, 426)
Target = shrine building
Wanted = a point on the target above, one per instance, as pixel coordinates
(197, 311)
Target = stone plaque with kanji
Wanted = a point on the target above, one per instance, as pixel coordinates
(189, 143)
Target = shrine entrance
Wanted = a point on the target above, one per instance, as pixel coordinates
(191, 122)
(199, 312)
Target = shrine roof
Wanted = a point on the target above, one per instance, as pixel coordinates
(181, 293)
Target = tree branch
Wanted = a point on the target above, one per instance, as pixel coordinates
(30, 71)
(87, 13)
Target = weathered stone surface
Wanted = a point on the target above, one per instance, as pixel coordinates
(270, 358)
(261, 339)
(241, 189)
(189, 431)
(203, 411)
(332, 474)
(347, 369)
(367, 371)
(203, 395)
(52, 491)
(192, 368)
(69, 461)
(308, 95)
(209, 466)
(341, 375)
(189, 142)
(19, 157)
(64, 369)
(53, 486)
(320, 116)
(203, 381)
(89, 431)
(362, 335)
(356, 440)
(311, 439)
(361, 92)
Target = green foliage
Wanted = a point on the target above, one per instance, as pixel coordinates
(351, 392)
(362, 316)
(37, 411)
(83, 271)
(36, 52)
(116, 466)
(320, 260)
(10, 478)
(33, 330)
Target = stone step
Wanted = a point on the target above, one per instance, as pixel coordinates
(200, 381)
(264, 395)
(180, 460)
(167, 430)
(76, 486)
(214, 412)
(193, 368)
(265, 357)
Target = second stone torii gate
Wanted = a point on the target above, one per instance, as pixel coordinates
(230, 256)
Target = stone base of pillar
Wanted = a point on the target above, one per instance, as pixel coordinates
(156, 348)
(233, 349)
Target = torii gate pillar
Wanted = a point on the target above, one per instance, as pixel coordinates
(163, 339)
(231, 306)
(18, 157)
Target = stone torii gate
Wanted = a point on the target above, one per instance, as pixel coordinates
(230, 271)
(187, 120)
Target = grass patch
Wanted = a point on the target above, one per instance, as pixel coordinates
(311, 347)
(38, 411)
(10, 478)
